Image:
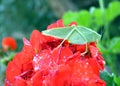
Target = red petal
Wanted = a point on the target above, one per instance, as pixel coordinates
(36, 39)
(27, 66)
(55, 54)
(100, 82)
(60, 55)
(26, 75)
(37, 79)
(65, 53)
(42, 61)
(93, 44)
(96, 55)
(81, 48)
(101, 61)
(95, 66)
(73, 58)
(93, 51)
(26, 42)
(19, 81)
(27, 53)
(62, 77)
(52, 26)
(58, 23)
(7, 83)
(23, 61)
(12, 71)
(73, 24)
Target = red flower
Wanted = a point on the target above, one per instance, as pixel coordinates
(62, 67)
(42, 63)
(57, 24)
(9, 43)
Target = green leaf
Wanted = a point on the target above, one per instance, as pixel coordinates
(115, 45)
(117, 80)
(97, 17)
(113, 11)
(7, 58)
(107, 78)
(74, 34)
(69, 17)
(84, 18)
(102, 48)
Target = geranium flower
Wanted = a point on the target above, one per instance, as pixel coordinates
(62, 67)
(42, 63)
(9, 43)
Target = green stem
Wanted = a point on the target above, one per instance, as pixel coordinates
(106, 34)
(101, 3)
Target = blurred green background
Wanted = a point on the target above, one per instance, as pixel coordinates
(19, 17)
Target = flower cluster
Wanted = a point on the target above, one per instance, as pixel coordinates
(42, 63)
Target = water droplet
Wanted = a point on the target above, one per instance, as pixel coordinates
(87, 63)
(86, 73)
(36, 68)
